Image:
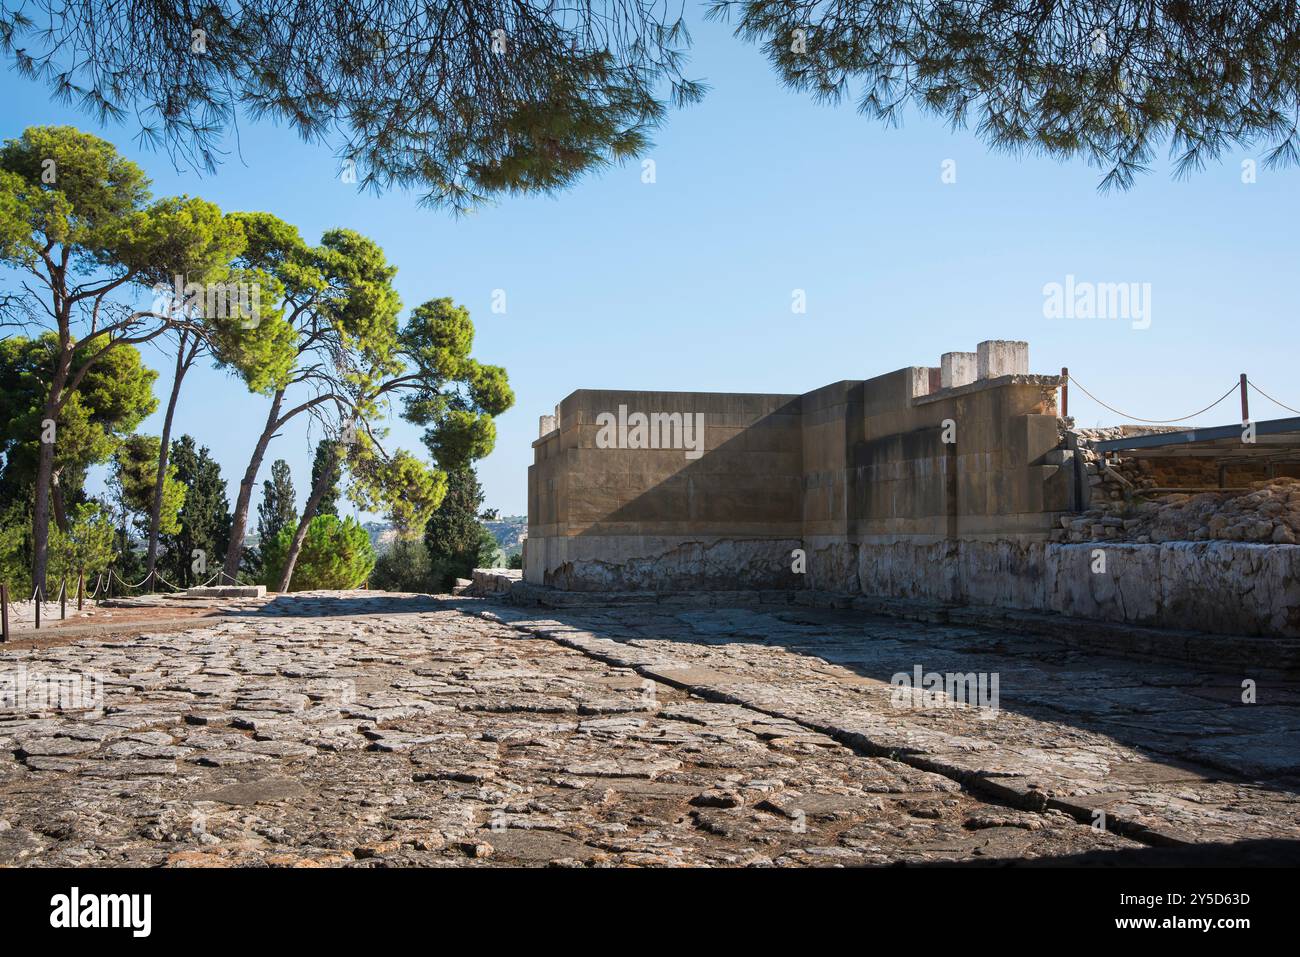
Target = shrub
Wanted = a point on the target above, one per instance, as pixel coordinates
(403, 567)
(335, 554)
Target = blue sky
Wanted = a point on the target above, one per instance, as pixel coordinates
(687, 283)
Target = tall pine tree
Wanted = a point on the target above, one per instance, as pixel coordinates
(327, 457)
(204, 518)
(277, 508)
(455, 539)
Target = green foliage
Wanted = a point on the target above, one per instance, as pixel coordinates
(87, 546)
(260, 349)
(136, 472)
(1106, 80)
(16, 548)
(90, 206)
(416, 95)
(578, 87)
(404, 566)
(335, 554)
(114, 397)
(204, 519)
(456, 397)
(97, 207)
(456, 541)
(277, 510)
(405, 489)
(488, 553)
(328, 457)
(515, 560)
(79, 218)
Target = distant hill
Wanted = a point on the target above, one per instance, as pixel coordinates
(509, 531)
(381, 535)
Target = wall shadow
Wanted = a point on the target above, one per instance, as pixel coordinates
(1180, 717)
(307, 605)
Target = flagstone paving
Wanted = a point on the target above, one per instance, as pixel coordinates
(370, 729)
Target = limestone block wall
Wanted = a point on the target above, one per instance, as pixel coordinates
(721, 514)
(847, 463)
(923, 483)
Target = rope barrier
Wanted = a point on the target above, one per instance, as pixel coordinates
(1137, 418)
(140, 584)
(1270, 398)
(167, 583)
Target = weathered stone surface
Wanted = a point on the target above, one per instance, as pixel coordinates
(667, 736)
(227, 591)
(262, 791)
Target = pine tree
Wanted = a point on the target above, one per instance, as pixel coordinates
(431, 95)
(204, 518)
(326, 457)
(277, 509)
(93, 240)
(455, 539)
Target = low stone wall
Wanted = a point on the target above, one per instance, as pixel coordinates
(661, 563)
(1217, 587)
(1228, 588)
(493, 581)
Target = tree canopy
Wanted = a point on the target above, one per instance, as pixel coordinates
(462, 100)
(473, 100)
(78, 218)
(327, 468)
(319, 334)
(114, 397)
(1108, 80)
(135, 466)
(334, 554)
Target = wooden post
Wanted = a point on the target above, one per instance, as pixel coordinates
(1245, 402)
(4, 612)
(1065, 392)
(38, 596)
(81, 587)
(63, 599)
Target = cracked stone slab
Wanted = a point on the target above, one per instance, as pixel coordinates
(504, 747)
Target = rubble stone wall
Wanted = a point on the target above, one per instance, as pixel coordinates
(1218, 587)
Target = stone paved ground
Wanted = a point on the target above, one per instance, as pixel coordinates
(366, 729)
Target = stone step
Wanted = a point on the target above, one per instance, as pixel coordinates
(226, 591)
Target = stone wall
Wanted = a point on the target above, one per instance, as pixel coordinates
(724, 513)
(900, 454)
(956, 484)
(1218, 587)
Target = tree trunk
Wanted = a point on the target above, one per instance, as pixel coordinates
(308, 513)
(41, 513)
(45, 466)
(164, 450)
(240, 519)
(57, 502)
